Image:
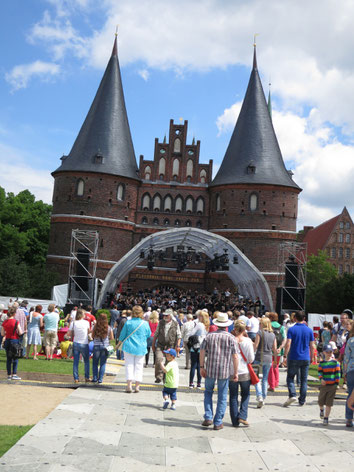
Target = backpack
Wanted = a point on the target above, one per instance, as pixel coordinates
(278, 336)
(193, 342)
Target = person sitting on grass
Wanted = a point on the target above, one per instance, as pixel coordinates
(329, 375)
(171, 380)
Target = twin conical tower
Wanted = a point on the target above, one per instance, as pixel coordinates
(252, 200)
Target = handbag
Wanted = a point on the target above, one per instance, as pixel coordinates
(120, 343)
(109, 350)
(193, 342)
(253, 375)
(16, 350)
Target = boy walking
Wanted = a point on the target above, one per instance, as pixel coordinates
(171, 380)
(329, 375)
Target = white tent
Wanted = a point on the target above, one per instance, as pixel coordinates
(245, 275)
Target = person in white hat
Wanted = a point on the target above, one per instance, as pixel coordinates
(219, 349)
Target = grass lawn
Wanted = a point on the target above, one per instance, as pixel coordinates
(56, 366)
(10, 435)
(313, 370)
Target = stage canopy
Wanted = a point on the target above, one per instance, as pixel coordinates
(244, 275)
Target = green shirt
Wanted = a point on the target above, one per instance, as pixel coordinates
(172, 374)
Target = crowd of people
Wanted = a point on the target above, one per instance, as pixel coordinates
(229, 341)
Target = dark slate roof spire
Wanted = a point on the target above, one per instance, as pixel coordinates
(253, 155)
(104, 143)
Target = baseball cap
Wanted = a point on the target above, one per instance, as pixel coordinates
(327, 348)
(172, 352)
(167, 312)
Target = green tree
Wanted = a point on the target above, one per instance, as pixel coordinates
(24, 238)
(319, 272)
(339, 293)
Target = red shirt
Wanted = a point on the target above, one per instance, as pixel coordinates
(90, 318)
(9, 326)
(153, 327)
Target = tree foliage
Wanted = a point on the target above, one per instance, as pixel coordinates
(24, 237)
(327, 292)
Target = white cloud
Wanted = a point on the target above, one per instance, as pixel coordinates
(144, 74)
(16, 175)
(20, 75)
(323, 167)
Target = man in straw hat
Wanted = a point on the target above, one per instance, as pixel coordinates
(220, 350)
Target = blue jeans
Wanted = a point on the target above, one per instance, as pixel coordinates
(84, 350)
(223, 385)
(350, 386)
(195, 366)
(262, 385)
(293, 368)
(99, 356)
(239, 412)
(10, 361)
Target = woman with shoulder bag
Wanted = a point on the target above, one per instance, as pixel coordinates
(12, 331)
(265, 344)
(239, 412)
(134, 336)
(102, 335)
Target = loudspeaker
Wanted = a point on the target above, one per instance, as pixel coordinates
(291, 274)
(290, 299)
(81, 269)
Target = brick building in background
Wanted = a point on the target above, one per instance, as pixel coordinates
(252, 201)
(336, 238)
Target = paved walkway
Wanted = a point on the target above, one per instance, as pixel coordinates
(109, 430)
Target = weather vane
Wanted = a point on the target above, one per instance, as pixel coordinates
(116, 33)
(181, 120)
(254, 38)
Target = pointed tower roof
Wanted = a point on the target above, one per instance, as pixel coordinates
(253, 155)
(104, 143)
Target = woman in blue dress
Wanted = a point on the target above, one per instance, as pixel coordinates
(35, 323)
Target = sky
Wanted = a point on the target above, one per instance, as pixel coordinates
(186, 60)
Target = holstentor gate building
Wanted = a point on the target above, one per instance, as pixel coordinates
(252, 200)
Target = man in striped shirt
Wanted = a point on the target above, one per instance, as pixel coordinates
(220, 350)
(329, 375)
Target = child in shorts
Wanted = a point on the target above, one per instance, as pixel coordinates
(329, 375)
(171, 379)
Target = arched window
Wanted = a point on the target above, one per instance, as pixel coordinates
(203, 175)
(146, 202)
(166, 222)
(177, 223)
(175, 168)
(200, 206)
(199, 224)
(253, 201)
(177, 145)
(188, 223)
(147, 173)
(178, 205)
(144, 220)
(120, 192)
(80, 188)
(157, 203)
(217, 202)
(155, 221)
(168, 204)
(189, 168)
(162, 166)
(189, 205)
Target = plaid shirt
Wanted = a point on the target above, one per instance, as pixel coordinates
(219, 348)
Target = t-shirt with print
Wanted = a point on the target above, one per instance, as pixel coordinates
(172, 375)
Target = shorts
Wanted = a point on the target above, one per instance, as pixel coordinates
(170, 392)
(327, 394)
(50, 339)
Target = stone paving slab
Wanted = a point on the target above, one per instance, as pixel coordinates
(103, 430)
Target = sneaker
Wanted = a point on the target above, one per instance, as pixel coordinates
(349, 424)
(259, 402)
(321, 414)
(191, 385)
(16, 377)
(325, 421)
(244, 422)
(199, 386)
(173, 406)
(9, 377)
(165, 404)
(289, 401)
